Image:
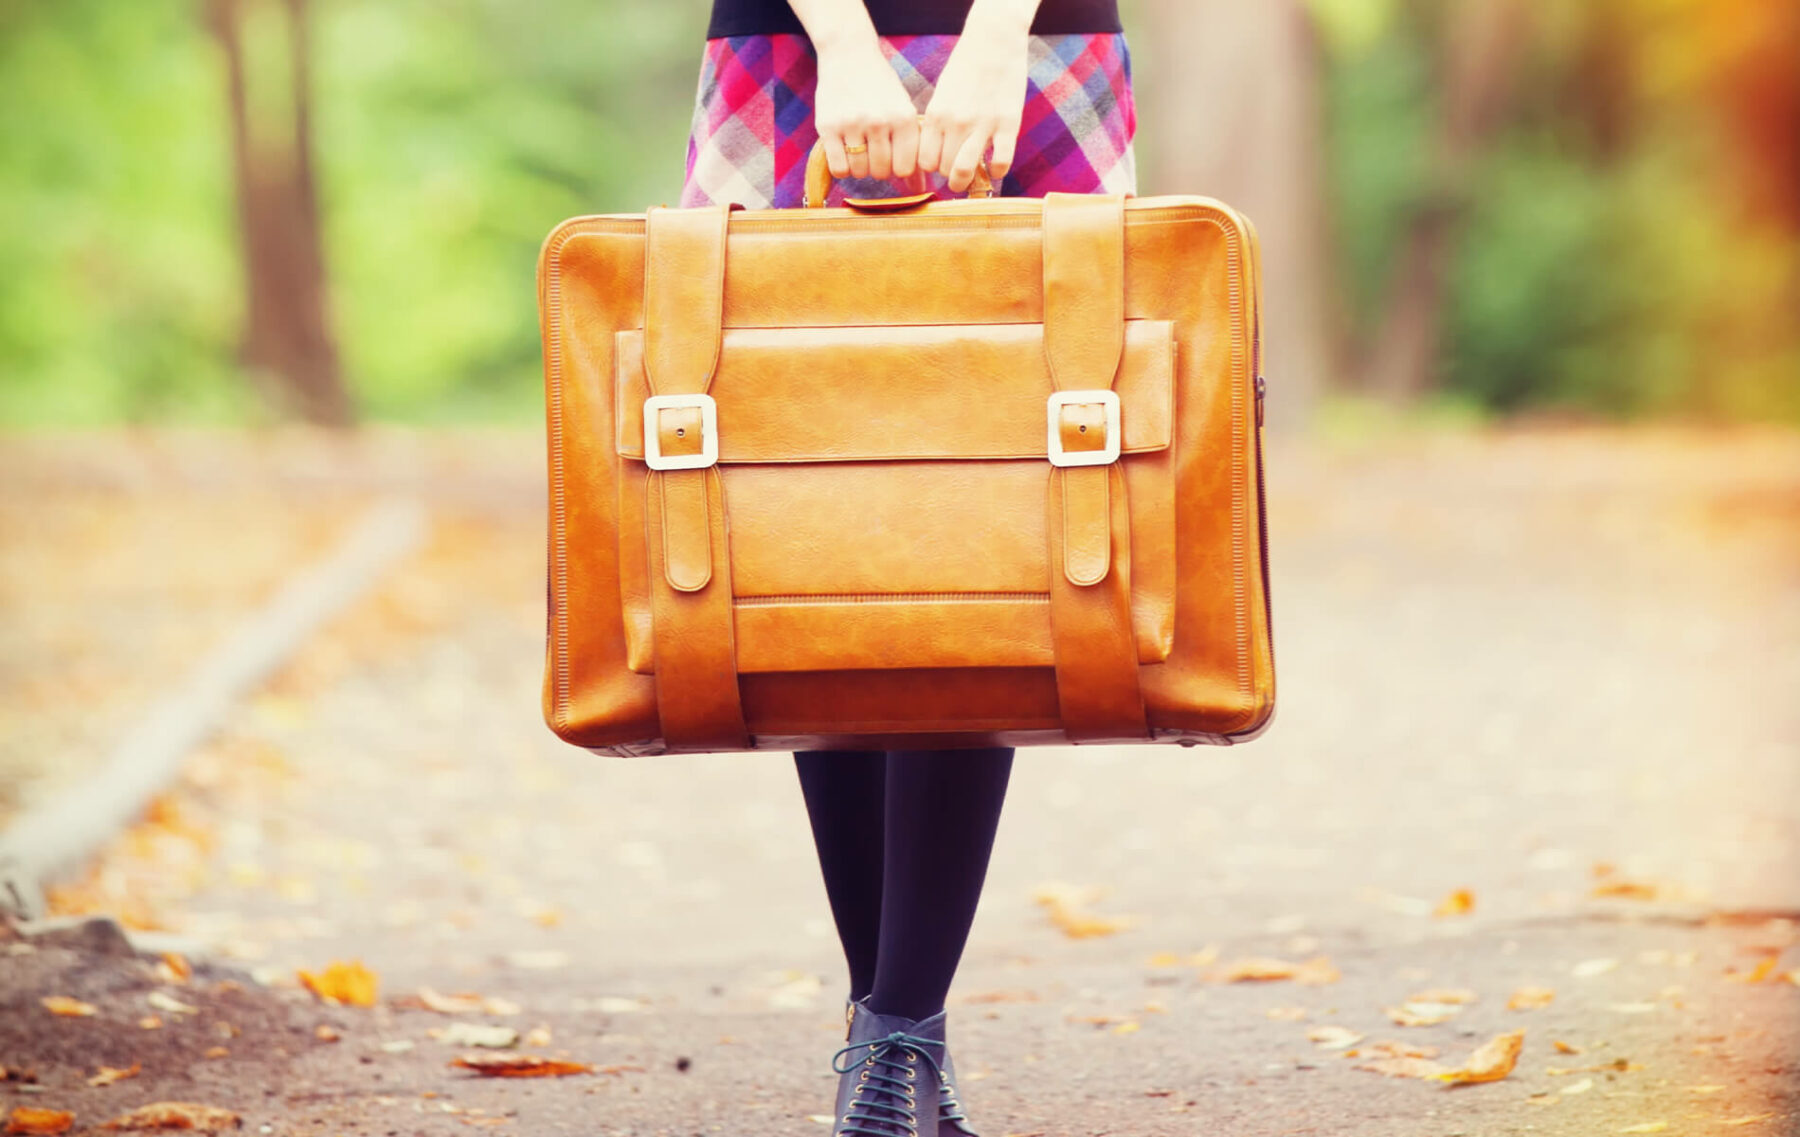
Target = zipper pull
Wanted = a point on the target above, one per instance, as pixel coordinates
(1262, 388)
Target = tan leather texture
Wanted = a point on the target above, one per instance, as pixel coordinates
(883, 553)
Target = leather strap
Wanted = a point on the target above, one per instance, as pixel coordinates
(1090, 540)
(690, 569)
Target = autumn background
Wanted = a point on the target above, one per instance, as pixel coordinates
(271, 597)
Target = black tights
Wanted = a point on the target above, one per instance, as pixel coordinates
(903, 839)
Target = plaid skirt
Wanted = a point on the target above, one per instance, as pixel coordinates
(753, 120)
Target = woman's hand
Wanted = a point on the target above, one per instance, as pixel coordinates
(864, 115)
(979, 97)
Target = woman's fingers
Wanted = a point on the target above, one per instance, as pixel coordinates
(835, 159)
(905, 147)
(881, 163)
(856, 145)
(1006, 141)
(968, 157)
(955, 137)
(931, 144)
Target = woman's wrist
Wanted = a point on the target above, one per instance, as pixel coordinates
(835, 26)
(1000, 17)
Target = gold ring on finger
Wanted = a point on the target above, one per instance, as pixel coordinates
(859, 148)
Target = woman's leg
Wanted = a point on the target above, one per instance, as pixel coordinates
(845, 795)
(943, 807)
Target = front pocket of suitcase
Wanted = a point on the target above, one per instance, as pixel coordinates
(885, 493)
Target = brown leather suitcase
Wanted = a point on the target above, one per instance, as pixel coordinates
(974, 472)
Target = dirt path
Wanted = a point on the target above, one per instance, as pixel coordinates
(1535, 667)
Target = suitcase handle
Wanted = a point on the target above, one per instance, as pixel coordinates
(819, 179)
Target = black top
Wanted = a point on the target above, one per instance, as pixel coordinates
(910, 17)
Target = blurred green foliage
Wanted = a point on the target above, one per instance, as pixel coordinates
(451, 135)
(1604, 263)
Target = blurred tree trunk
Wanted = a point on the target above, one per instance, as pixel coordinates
(287, 338)
(1231, 105)
(1481, 41)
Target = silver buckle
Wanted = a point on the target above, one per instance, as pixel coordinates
(709, 432)
(1052, 412)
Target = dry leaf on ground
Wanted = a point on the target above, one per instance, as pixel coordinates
(1402, 1050)
(1566, 1047)
(1458, 903)
(986, 998)
(1314, 972)
(1531, 998)
(1257, 969)
(1403, 1067)
(1333, 1037)
(1422, 1014)
(27, 1121)
(1580, 1087)
(1762, 971)
(519, 1066)
(344, 982)
(1286, 1014)
(67, 1007)
(174, 968)
(477, 1034)
(461, 1003)
(1064, 903)
(107, 1075)
(1493, 1061)
(177, 1115)
(163, 1001)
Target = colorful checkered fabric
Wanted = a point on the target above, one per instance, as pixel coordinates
(753, 121)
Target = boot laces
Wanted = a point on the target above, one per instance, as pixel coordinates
(885, 1101)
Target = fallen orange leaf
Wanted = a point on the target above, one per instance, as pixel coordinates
(986, 998)
(1530, 998)
(1566, 1047)
(1085, 925)
(1764, 968)
(1258, 969)
(1623, 889)
(67, 1007)
(1458, 903)
(110, 1074)
(1314, 972)
(173, 967)
(343, 982)
(177, 1115)
(521, 1066)
(38, 1122)
(1493, 1061)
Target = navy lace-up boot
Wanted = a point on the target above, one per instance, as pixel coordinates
(890, 1084)
(952, 1121)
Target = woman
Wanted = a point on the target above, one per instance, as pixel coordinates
(1042, 90)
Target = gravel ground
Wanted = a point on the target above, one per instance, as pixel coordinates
(1531, 665)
